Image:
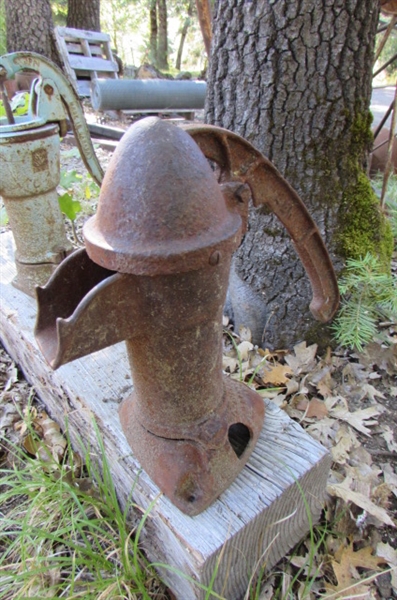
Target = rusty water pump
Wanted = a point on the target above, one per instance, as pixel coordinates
(155, 273)
(29, 166)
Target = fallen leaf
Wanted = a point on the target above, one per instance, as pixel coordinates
(345, 441)
(12, 373)
(385, 358)
(359, 419)
(345, 565)
(304, 359)
(229, 364)
(388, 436)
(390, 477)
(343, 491)
(245, 334)
(388, 553)
(324, 431)
(371, 392)
(244, 349)
(275, 374)
(313, 408)
(51, 434)
(362, 558)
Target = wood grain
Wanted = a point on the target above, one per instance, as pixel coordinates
(255, 522)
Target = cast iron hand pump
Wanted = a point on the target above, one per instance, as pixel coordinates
(155, 273)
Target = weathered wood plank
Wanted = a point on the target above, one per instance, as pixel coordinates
(69, 33)
(90, 63)
(258, 518)
(75, 48)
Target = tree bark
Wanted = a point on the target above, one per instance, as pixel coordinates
(153, 32)
(162, 45)
(205, 19)
(294, 79)
(30, 27)
(184, 31)
(84, 15)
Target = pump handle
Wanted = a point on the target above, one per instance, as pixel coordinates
(53, 76)
(238, 160)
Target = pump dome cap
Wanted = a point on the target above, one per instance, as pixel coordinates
(161, 209)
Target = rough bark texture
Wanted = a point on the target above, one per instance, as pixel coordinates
(30, 27)
(84, 15)
(294, 79)
(162, 45)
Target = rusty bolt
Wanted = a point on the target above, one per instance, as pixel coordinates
(49, 90)
(215, 258)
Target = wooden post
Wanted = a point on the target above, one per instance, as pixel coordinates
(254, 523)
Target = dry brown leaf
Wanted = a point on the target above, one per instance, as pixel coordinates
(275, 374)
(362, 558)
(383, 357)
(344, 566)
(359, 419)
(390, 555)
(388, 436)
(344, 491)
(390, 477)
(229, 364)
(244, 349)
(345, 441)
(50, 431)
(304, 359)
(324, 431)
(313, 408)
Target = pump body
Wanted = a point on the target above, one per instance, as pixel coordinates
(155, 273)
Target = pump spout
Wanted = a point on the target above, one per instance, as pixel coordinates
(80, 310)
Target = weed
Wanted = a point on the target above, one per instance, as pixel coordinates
(75, 195)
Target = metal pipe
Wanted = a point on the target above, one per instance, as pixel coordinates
(147, 94)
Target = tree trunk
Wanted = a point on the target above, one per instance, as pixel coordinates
(153, 32)
(162, 47)
(205, 19)
(30, 27)
(294, 79)
(84, 15)
(184, 31)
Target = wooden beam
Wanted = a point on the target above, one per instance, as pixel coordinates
(254, 523)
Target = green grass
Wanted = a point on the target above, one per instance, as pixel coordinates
(65, 536)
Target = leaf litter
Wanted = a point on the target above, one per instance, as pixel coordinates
(347, 401)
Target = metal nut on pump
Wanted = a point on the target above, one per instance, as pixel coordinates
(30, 166)
(155, 273)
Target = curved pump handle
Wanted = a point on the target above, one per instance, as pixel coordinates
(240, 161)
(53, 93)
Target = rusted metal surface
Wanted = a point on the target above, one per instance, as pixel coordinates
(29, 166)
(155, 273)
(165, 225)
(53, 99)
(240, 162)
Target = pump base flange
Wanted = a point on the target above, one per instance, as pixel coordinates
(192, 469)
